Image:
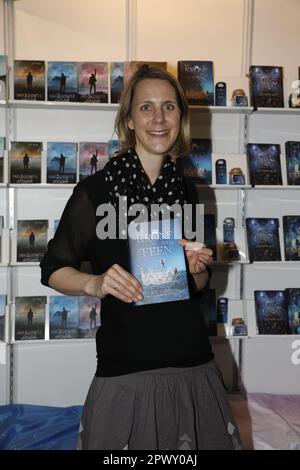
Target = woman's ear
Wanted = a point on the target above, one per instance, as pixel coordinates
(130, 123)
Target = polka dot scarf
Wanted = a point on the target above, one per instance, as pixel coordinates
(125, 176)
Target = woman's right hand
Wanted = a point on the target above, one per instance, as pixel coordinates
(118, 282)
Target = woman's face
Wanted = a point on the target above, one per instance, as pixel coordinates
(154, 117)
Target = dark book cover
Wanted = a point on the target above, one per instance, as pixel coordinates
(264, 164)
(263, 239)
(93, 157)
(63, 317)
(29, 80)
(62, 81)
(3, 76)
(30, 317)
(198, 164)
(266, 86)
(2, 316)
(116, 81)
(291, 236)
(293, 306)
(25, 162)
(292, 155)
(158, 261)
(61, 162)
(92, 82)
(271, 312)
(31, 240)
(210, 238)
(196, 79)
(2, 147)
(209, 310)
(89, 309)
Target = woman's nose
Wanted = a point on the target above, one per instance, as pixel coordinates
(158, 115)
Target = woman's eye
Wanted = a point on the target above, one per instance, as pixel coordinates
(170, 107)
(145, 107)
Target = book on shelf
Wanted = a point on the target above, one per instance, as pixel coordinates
(113, 147)
(291, 237)
(92, 82)
(117, 71)
(198, 164)
(271, 312)
(132, 66)
(62, 82)
(93, 156)
(30, 317)
(263, 239)
(29, 80)
(63, 317)
(89, 316)
(209, 310)
(293, 306)
(292, 155)
(55, 225)
(158, 261)
(61, 162)
(196, 79)
(3, 76)
(25, 160)
(264, 164)
(266, 86)
(1, 233)
(2, 316)
(2, 148)
(31, 240)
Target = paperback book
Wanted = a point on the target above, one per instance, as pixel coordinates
(25, 162)
(31, 240)
(29, 80)
(2, 147)
(89, 316)
(264, 164)
(2, 316)
(198, 164)
(113, 147)
(61, 162)
(92, 82)
(263, 239)
(292, 155)
(63, 317)
(291, 236)
(93, 156)
(293, 303)
(116, 81)
(3, 76)
(266, 86)
(158, 261)
(271, 312)
(62, 81)
(30, 318)
(196, 79)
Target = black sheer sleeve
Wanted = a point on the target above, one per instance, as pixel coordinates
(74, 236)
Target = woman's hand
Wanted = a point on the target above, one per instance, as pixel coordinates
(117, 282)
(198, 256)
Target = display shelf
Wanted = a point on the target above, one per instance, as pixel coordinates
(226, 187)
(222, 109)
(41, 185)
(279, 187)
(283, 111)
(268, 264)
(53, 341)
(23, 264)
(3, 103)
(62, 105)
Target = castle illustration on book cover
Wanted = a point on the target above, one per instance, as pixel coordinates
(263, 239)
(266, 86)
(157, 260)
(271, 312)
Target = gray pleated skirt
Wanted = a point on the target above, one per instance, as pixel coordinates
(165, 409)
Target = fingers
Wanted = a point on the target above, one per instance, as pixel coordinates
(121, 284)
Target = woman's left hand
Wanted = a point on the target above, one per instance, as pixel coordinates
(198, 256)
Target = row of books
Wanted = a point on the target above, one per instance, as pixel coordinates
(67, 162)
(67, 159)
(59, 317)
(103, 82)
(278, 311)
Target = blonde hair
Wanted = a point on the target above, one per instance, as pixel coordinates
(127, 136)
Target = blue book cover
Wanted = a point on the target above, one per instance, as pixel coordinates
(2, 316)
(291, 236)
(293, 306)
(263, 239)
(197, 164)
(264, 164)
(266, 86)
(158, 261)
(62, 81)
(113, 147)
(271, 312)
(63, 317)
(116, 81)
(196, 79)
(61, 162)
(292, 155)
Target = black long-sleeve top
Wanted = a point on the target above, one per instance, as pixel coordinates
(130, 338)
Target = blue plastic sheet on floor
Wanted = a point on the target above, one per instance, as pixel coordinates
(31, 427)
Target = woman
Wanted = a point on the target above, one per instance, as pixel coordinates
(156, 384)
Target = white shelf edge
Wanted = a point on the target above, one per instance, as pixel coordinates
(61, 104)
(24, 264)
(52, 341)
(287, 336)
(274, 263)
(41, 185)
(272, 187)
(276, 111)
(222, 109)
